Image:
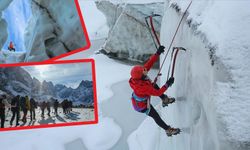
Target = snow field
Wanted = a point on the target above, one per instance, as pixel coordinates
(77, 115)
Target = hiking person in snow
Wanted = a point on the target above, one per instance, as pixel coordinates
(56, 104)
(25, 107)
(70, 106)
(2, 111)
(22, 105)
(144, 89)
(3, 105)
(64, 105)
(43, 106)
(11, 47)
(33, 107)
(48, 108)
(15, 107)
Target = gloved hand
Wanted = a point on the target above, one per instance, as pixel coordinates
(160, 50)
(170, 81)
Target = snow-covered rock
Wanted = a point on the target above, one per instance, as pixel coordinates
(54, 29)
(129, 37)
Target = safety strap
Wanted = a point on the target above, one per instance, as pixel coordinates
(139, 99)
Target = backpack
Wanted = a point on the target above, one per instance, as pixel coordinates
(13, 102)
(22, 102)
(2, 106)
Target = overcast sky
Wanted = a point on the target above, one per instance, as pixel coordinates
(67, 74)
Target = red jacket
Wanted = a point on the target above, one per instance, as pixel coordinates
(11, 45)
(145, 88)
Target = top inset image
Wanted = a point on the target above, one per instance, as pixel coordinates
(40, 30)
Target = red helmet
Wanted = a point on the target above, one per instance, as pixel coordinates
(137, 72)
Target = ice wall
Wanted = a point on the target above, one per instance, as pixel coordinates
(211, 79)
(3, 25)
(54, 29)
(129, 37)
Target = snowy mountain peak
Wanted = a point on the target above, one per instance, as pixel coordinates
(16, 80)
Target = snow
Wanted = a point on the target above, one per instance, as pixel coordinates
(57, 137)
(7, 56)
(97, 28)
(140, 140)
(77, 115)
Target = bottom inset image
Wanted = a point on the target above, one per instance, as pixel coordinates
(47, 95)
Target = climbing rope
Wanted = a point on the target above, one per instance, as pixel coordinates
(159, 72)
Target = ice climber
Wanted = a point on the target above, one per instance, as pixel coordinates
(144, 89)
(11, 47)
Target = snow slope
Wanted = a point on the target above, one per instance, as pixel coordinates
(76, 115)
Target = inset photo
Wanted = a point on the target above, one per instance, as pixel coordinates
(40, 30)
(48, 95)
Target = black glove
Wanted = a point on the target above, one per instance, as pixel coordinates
(170, 81)
(160, 50)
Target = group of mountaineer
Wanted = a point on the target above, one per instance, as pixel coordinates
(23, 104)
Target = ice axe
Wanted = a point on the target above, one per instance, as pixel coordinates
(152, 29)
(175, 50)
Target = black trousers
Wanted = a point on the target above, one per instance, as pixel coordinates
(2, 116)
(32, 114)
(25, 111)
(56, 108)
(153, 113)
(15, 113)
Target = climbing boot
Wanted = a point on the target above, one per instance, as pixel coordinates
(167, 100)
(172, 131)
